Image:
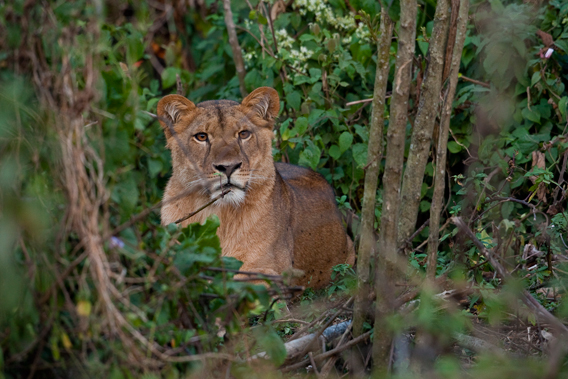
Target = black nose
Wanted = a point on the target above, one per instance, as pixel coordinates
(228, 169)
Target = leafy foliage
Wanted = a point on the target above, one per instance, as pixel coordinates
(508, 150)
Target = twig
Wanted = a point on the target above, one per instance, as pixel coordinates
(314, 366)
(271, 27)
(328, 354)
(328, 323)
(221, 195)
(359, 102)
(290, 320)
(257, 40)
(365, 100)
(221, 269)
(179, 85)
(235, 47)
(486, 85)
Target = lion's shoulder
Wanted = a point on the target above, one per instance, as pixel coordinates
(304, 179)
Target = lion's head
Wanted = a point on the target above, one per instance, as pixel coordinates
(221, 145)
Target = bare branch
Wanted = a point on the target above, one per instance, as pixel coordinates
(235, 47)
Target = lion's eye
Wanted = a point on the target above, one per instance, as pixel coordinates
(201, 137)
(244, 134)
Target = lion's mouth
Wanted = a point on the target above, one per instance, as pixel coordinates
(227, 187)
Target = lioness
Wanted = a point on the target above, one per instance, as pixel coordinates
(276, 215)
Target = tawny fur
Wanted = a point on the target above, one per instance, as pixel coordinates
(278, 216)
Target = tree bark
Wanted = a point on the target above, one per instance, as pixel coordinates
(374, 155)
(387, 248)
(424, 124)
(235, 47)
(440, 173)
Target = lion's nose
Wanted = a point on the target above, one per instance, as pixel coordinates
(228, 169)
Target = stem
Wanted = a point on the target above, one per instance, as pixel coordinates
(362, 304)
(424, 123)
(441, 150)
(387, 248)
(235, 47)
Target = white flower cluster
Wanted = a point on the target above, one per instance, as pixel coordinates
(283, 39)
(300, 58)
(248, 58)
(324, 13)
(362, 32)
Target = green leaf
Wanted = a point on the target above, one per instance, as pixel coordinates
(345, 141)
(310, 156)
(562, 105)
(155, 166)
(535, 78)
(532, 115)
(454, 147)
(169, 76)
(262, 20)
(562, 45)
(334, 152)
(294, 99)
(301, 79)
(360, 154)
(301, 125)
(507, 209)
(315, 73)
(270, 342)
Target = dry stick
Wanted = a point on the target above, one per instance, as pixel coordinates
(271, 25)
(257, 40)
(327, 324)
(441, 150)
(318, 319)
(235, 47)
(367, 100)
(424, 124)
(328, 354)
(359, 101)
(179, 86)
(221, 195)
(486, 85)
(526, 297)
(362, 304)
(386, 268)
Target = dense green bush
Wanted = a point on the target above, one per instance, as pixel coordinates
(508, 150)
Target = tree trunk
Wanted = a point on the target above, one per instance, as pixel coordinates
(424, 124)
(440, 173)
(387, 248)
(235, 47)
(374, 156)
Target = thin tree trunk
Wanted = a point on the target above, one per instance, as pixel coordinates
(440, 173)
(387, 248)
(424, 124)
(374, 155)
(235, 47)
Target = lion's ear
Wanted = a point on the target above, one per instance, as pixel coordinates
(264, 101)
(170, 109)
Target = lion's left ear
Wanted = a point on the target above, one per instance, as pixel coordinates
(264, 101)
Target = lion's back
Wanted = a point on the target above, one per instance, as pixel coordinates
(320, 240)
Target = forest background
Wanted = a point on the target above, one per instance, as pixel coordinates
(92, 286)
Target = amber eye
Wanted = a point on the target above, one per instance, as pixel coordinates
(244, 134)
(201, 137)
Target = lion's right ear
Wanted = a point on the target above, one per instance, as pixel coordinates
(170, 110)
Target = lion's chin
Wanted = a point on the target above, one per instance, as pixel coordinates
(235, 197)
